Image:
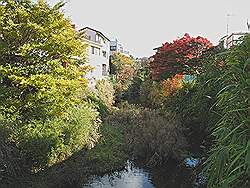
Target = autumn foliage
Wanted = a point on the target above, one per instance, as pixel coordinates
(171, 85)
(122, 71)
(178, 57)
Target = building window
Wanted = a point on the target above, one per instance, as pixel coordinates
(104, 70)
(97, 38)
(95, 50)
(112, 48)
(104, 53)
(98, 51)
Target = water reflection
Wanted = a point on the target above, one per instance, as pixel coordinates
(132, 177)
(136, 177)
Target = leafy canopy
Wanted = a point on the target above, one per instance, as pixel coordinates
(123, 71)
(36, 42)
(181, 56)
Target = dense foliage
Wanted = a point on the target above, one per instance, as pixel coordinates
(48, 113)
(152, 135)
(229, 164)
(180, 56)
(103, 96)
(132, 95)
(105, 92)
(213, 108)
(122, 71)
(171, 85)
(40, 81)
(35, 43)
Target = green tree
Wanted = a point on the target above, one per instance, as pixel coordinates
(122, 72)
(41, 81)
(35, 42)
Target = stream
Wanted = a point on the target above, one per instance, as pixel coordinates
(138, 177)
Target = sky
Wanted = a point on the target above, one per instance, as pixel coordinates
(141, 25)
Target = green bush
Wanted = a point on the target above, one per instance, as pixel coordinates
(11, 162)
(150, 94)
(110, 152)
(194, 103)
(52, 141)
(102, 97)
(132, 95)
(105, 92)
(153, 135)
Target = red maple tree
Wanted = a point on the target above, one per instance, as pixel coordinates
(178, 57)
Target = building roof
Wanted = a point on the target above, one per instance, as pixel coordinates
(157, 48)
(99, 32)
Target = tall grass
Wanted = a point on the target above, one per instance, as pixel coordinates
(153, 136)
(228, 163)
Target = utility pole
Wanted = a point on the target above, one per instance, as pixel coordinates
(248, 25)
(228, 23)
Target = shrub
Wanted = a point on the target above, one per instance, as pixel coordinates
(194, 103)
(151, 94)
(152, 135)
(52, 141)
(11, 164)
(102, 97)
(110, 152)
(105, 92)
(132, 95)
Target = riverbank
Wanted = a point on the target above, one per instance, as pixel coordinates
(123, 145)
(108, 155)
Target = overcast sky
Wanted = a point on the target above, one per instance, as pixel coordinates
(141, 25)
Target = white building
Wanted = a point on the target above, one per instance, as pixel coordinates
(116, 47)
(233, 39)
(98, 54)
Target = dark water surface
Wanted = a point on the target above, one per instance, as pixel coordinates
(136, 177)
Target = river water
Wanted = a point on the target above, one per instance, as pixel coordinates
(137, 177)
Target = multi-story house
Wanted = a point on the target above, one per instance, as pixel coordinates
(233, 39)
(116, 47)
(98, 54)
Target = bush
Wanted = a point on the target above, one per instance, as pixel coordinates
(105, 92)
(152, 135)
(110, 152)
(132, 95)
(46, 143)
(102, 97)
(151, 94)
(11, 164)
(194, 103)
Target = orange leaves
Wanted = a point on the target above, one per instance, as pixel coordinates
(171, 85)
